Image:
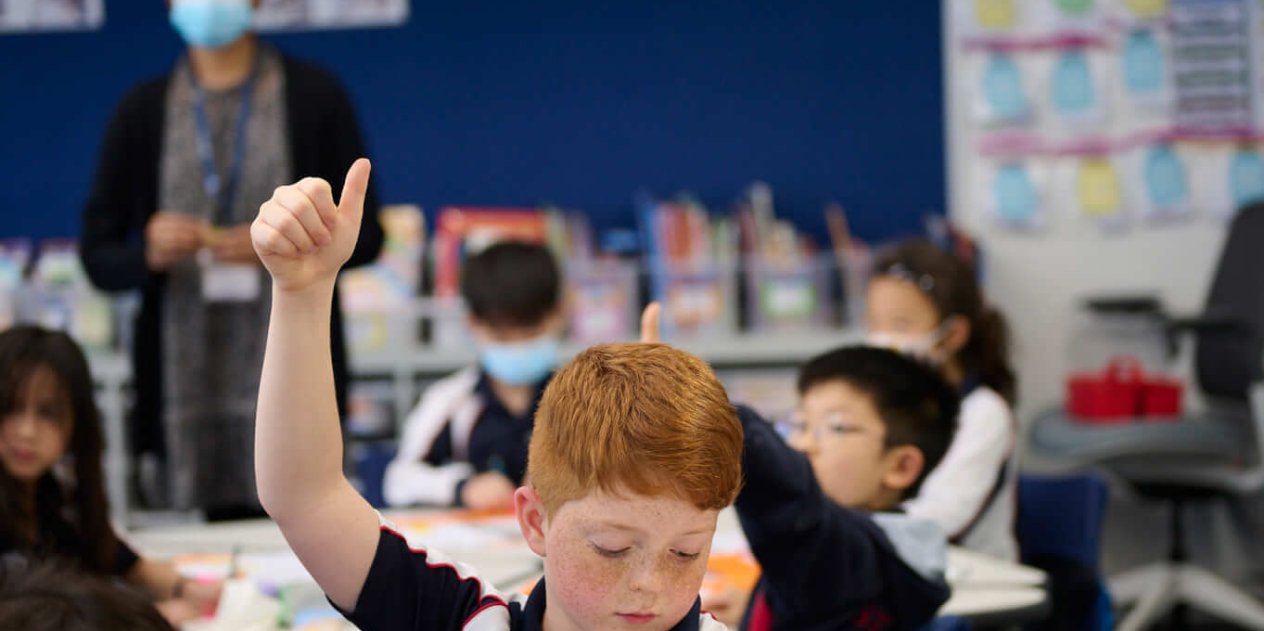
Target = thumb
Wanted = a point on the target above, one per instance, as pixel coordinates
(649, 323)
(356, 186)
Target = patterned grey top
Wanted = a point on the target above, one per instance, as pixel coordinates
(213, 351)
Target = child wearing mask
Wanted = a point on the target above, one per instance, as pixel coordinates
(465, 444)
(184, 163)
(925, 301)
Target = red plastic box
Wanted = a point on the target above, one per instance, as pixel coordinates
(1122, 393)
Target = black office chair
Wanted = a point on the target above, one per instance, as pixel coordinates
(1214, 453)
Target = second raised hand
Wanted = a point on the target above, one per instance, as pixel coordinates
(650, 323)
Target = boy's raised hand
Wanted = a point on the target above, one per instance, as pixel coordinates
(302, 237)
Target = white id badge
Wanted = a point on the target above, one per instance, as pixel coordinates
(228, 282)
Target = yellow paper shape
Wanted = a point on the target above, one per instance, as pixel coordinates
(1097, 186)
(1147, 8)
(995, 14)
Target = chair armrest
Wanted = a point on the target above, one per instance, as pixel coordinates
(1151, 307)
(1209, 322)
(1126, 304)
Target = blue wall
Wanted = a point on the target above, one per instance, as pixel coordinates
(577, 103)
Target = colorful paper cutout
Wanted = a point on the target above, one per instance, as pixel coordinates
(1165, 178)
(1143, 63)
(1098, 187)
(1015, 194)
(1003, 88)
(1073, 91)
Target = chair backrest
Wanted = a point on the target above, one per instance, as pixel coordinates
(1062, 517)
(371, 460)
(1228, 361)
(1060, 531)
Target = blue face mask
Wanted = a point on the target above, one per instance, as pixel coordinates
(211, 23)
(522, 363)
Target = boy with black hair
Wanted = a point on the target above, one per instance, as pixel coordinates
(465, 443)
(820, 512)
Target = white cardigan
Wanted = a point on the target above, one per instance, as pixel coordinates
(962, 493)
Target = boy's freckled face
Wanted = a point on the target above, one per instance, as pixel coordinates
(625, 561)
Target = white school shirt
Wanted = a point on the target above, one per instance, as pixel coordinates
(409, 480)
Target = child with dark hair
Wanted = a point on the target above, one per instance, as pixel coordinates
(52, 496)
(53, 597)
(821, 508)
(465, 443)
(927, 302)
(824, 523)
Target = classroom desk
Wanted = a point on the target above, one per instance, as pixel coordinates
(972, 569)
(998, 606)
(985, 590)
(991, 592)
(498, 553)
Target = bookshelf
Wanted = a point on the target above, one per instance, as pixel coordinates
(407, 369)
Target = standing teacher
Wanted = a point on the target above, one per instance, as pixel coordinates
(186, 161)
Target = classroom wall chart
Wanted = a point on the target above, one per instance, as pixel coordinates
(296, 15)
(21, 16)
(24, 16)
(1118, 113)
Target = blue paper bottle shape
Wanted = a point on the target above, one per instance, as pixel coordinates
(1143, 64)
(1014, 194)
(1246, 178)
(1003, 88)
(1073, 92)
(1165, 178)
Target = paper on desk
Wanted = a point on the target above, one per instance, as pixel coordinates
(203, 565)
(242, 607)
(729, 543)
(729, 571)
(273, 569)
(457, 531)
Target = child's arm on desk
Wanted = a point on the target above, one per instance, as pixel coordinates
(177, 598)
(303, 239)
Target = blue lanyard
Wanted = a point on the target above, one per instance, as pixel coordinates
(221, 193)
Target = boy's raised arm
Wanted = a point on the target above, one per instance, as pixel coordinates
(303, 238)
